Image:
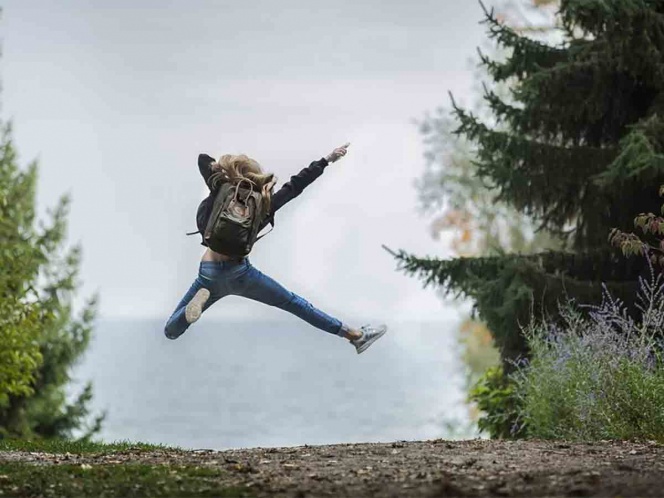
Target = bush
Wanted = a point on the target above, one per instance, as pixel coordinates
(496, 397)
(597, 374)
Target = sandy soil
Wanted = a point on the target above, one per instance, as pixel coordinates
(421, 469)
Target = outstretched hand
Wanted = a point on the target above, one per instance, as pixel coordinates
(337, 153)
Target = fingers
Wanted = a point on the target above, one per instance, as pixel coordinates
(338, 153)
(342, 150)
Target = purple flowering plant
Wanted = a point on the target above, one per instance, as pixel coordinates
(597, 372)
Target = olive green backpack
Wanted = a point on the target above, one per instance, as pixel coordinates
(237, 214)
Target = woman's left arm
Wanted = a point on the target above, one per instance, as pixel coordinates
(304, 178)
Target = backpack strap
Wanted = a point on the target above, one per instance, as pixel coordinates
(266, 188)
(271, 222)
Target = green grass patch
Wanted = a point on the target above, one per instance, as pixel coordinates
(77, 447)
(28, 480)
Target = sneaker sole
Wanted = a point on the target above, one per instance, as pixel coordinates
(194, 309)
(364, 346)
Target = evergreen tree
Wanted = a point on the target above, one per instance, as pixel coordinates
(458, 200)
(40, 336)
(578, 140)
(20, 316)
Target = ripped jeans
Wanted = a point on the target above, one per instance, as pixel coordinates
(226, 278)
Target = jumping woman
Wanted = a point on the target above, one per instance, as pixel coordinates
(240, 205)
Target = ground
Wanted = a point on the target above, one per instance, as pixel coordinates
(435, 468)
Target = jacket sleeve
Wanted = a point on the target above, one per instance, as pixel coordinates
(297, 183)
(205, 167)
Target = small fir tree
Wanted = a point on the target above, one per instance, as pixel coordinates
(20, 315)
(40, 336)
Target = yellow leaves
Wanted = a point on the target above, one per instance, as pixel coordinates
(461, 223)
(455, 218)
(479, 350)
(476, 331)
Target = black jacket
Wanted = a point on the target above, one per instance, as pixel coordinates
(289, 191)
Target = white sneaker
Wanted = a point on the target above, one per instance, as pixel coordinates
(370, 334)
(195, 307)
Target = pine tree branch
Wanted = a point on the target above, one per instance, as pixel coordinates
(597, 16)
(641, 157)
(533, 176)
(506, 288)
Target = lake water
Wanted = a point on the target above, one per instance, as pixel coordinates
(230, 385)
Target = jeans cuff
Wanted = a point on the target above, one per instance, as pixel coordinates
(343, 330)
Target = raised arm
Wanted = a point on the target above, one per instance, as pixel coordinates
(297, 183)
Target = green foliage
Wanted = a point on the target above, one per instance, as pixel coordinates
(80, 446)
(123, 478)
(509, 289)
(496, 397)
(574, 109)
(461, 202)
(19, 351)
(452, 190)
(575, 140)
(462, 199)
(596, 377)
(40, 336)
(20, 315)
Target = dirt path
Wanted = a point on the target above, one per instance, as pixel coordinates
(421, 469)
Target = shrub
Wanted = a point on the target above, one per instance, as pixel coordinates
(495, 396)
(597, 374)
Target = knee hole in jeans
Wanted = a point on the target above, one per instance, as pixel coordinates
(169, 336)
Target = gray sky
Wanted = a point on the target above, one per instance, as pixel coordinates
(116, 100)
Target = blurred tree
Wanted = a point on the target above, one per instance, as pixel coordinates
(577, 138)
(40, 338)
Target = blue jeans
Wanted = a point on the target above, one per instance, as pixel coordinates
(242, 279)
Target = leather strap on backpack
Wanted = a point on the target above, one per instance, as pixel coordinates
(271, 222)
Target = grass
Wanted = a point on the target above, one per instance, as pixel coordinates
(129, 480)
(77, 447)
(106, 480)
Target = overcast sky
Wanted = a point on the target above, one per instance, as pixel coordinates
(117, 99)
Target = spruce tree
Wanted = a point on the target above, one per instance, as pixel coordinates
(577, 147)
(40, 335)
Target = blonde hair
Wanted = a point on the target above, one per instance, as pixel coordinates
(231, 168)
